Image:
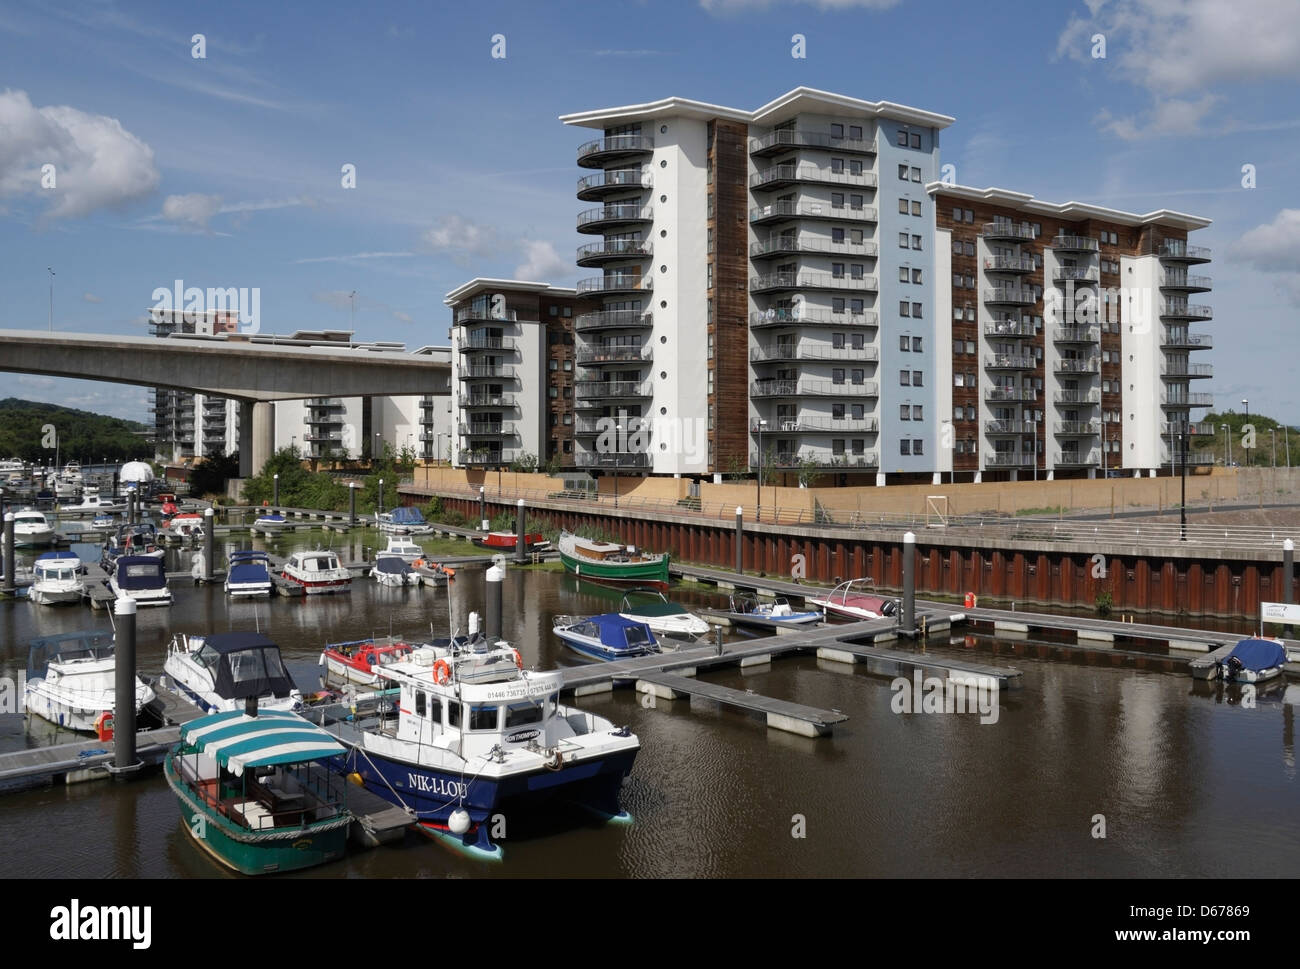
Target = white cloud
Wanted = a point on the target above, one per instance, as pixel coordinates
(1274, 249)
(354, 257)
(729, 6)
(541, 263)
(1167, 116)
(97, 163)
(402, 317)
(265, 205)
(461, 238)
(193, 210)
(92, 298)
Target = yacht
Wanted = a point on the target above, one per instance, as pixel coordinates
(32, 528)
(318, 572)
(142, 578)
(57, 577)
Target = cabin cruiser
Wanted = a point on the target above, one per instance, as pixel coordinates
(666, 618)
(222, 671)
(71, 680)
(318, 572)
(403, 521)
(393, 570)
(475, 734)
(607, 636)
(32, 528)
(140, 539)
(403, 548)
(142, 578)
(57, 577)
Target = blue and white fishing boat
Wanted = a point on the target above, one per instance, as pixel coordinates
(142, 578)
(475, 734)
(607, 636)
(249, 575)
(404, 521)
(1252, 661)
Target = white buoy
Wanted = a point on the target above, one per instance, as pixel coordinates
(458, 823)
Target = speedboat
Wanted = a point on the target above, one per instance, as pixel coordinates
(270, 523)
(607, 636)
(71, 681)
(855, 599)
(404, 521)
(1252, 661)
(140, 539)
(104, 523)
(404, 549)
(249, 575)
(608, 563)
(252, 792)
(475, 734)
(57, 577)
(777, 609)
(32, 528)
(508, 541)
(663, 617)
(393, 570)
(93, 502)
(224, 670)
(431, 573)
(362, 661)
(184, 525)
(142, 578)
(318, 572)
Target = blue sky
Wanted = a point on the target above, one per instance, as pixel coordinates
(225, 171)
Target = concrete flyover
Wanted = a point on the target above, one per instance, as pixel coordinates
(255, 374)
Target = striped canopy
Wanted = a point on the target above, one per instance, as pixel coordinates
(237, 740)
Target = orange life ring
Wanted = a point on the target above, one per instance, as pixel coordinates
(519, 660)
(441, 672)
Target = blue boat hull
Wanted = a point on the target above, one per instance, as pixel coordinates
(601, 651)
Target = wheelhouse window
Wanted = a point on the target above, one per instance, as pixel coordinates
(483, 718)
(524, 712)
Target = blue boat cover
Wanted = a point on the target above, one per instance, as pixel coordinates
(1258, 654)
(247, 572)
(249, 555)
(140, 572)
(618, 632)
(407, 515)
(392, 564)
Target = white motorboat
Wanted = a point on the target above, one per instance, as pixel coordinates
(270, 523)
(223, 671)
(187, 526)
(71, 680)
(746, 607)
(403, 548)
(57, 577)
(403, 521)
(393, 570)
(652, 607)
(318, 572)
(854, 599)
(32, 528)
(142, 578)
(249, 575)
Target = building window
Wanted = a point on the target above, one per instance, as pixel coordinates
(857, 269)
(568, 366)
(904, 308)
(855, 236)
(859, 341)
(958, 381)
(904, 446)
(552, 392)
(916, 344)
(970, 217)
(837, 445)
(859, 377)
(837, 412)
(902, 172)
(855, 167)
(837, 341)
(969, 248)
(904, 412)
(553, 364)
(916, 242)
(553, 311)
(837, 200)
(917, 446)
(916, 311)
(837, 304)
(902, 206)
(859, 411)
(916, 174)
(855, 132)
(837, 166)
(837, 375)
(837, 235)
(837, 270)
(956, 217)
(856, 305)
(916, 378)
(567, 312)
(905, 378)
(902, 139)
(916, 412)
(902, 240)
(837, 130)
(904, 344)
(916, 275)
(903, 275)
(916, 208)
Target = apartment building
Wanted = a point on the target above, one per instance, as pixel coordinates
(188, 425)
(770, 238)
(515, 394)
(1069, 328)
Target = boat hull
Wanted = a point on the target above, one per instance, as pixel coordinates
(321, 588)
(595, 650)
(651, 574)
(54, 597)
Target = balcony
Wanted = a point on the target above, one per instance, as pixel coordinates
(1077, 365)
(318, 437)
(1177, 401)
(1009, 326)
(1069, 243)
(594, 154)
(818, 425)
(1075, 459)
(1181, 251)
(324, 402)
(1009, 361)
(1182, 310)
(1005, 428)
(1075, 274)
(1009, 264)
(592, 188)
(778, 141)
(789, 245)
(812, 388)
(594, 356)
(485, 458)
(1193, 428)
(781, 176)
(1177, 339)
(771, 282)
(1009, 231)
(1184, 282)
(486, 343)
(605, 217)
(812, 351)
(479, 429)
(487, 400)
(1007, 459)
(1191, 371)
(997, 394)
(1193, 460)
(613, 459)
(486, 370)
(1077, 397)
(783, 317)
(322, 418)
(615, 283)
(810, 458)
(483, 314)
(614, 320)
(1076, 334)
(1077, 428)
(611, 389)
(596, 253)
(777, 211)
(1009, 294)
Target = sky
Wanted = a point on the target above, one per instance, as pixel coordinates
(227, 170)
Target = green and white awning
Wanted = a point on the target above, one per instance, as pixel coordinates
(238, 741)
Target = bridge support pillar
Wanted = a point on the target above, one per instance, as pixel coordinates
(263, 434)
(245, 438)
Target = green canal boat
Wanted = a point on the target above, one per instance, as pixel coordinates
(612, 564)
(254, 794)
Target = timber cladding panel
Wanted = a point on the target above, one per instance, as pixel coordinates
(730, 295)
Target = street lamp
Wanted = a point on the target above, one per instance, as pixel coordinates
(1272, 432)
(378, 441)
(380, 511)
(1227, 445)
(1245, 457)
(51, 272)
(1182, 508)
(352, 298)
(759, 482)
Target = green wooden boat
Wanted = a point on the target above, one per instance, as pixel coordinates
(613, 564)
(253, 795)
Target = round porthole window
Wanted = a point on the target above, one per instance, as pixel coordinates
(663, 446)
(663, 233)
(663, 129)
(663, 411)
(663, 339)
(663, 304)
(663, 198)
(663, 269)
(664, 163)
(663, 374)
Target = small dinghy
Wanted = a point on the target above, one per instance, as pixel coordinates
(270, 523)
(1253, 661)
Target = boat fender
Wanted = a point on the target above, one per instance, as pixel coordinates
(519, 660)
(104, 726)
(441, 672)
(418, 564)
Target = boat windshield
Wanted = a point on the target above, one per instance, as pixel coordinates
(638, 636)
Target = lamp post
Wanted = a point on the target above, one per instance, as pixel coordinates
(378, 441)
(51, 272)
(380, 510)
(352, 317)
(759, 482)
(1227, 444)
(1272, 433)
(1182, 508)
(1245, 455)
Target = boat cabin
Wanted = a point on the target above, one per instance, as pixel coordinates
(243, 665)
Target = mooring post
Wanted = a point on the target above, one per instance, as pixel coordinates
(352, 502)
(380, 509)
(130, 505)
(740, 538)
(1288, 579)
(482, 508)
(275, 492)
(124, 758)
(10, 584)
(908, 625)
(496, 576)
(209, 542)
(520, 558)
